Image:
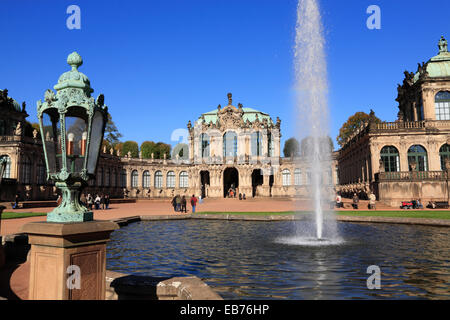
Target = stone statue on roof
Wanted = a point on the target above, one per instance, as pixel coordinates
(443, 46)
(230, 100)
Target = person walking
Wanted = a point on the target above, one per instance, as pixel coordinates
(339, 201)
(102, 201)
(174, 203)
(193, 203)
(90, 201)
(107, 201)
(16, 202)
(97, 202)
(183, 204)
(355, 201)
(178, 202)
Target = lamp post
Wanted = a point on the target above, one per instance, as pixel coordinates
(72, 126)
(68, 251)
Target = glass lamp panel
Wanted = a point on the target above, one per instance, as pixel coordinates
(52, 139)
(76, 141)
(96, 140)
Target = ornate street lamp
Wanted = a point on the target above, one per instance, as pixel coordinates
(72, 126)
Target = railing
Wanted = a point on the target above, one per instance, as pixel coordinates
(19, 139)
(413, 176)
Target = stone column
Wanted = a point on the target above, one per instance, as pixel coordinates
(428, 104)
(68, 260)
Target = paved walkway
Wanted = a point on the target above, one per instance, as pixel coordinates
(160, 207)
(163, 207)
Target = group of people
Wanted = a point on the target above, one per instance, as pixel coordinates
(355, 201)
(179, 203)
(98, 202)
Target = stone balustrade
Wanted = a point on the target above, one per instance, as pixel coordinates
(412, 176)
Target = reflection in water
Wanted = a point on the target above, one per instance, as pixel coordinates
(247, 260)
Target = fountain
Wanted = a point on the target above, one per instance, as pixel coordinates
(312, 108)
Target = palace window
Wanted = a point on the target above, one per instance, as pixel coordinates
(107, 177)
(256, 144)
(390, 157)
(308, 177)
(444, 153)
(134, 179)
(170, 179)
(114, 178)
(184, 179)
(7, 172)
(204, 145)
(123, 178)
(230, 144)
(26, 170)
(298, 177)
(271, 145)
(286, 177)
(417, 158)
(41, 172)
(100, 177)
(442, 105)
(146, 179)
(158, 179)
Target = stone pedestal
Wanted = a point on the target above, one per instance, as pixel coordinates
(68, 260)
(2, 251)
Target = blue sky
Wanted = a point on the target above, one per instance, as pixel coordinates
(161, 63)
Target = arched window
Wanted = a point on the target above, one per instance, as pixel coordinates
(184, 179)
(26, 170)
(442, 105)
(417, 158)
(123, 178)
(107, 177)
(230, 144)
(286, 177)
(308, 177)
(134, 179)
(444, 153)
(41, 172)
(298, 177)
(390, 157)
(146, 179)
(204, 145)
(256, 143)
(170, 179)
(158, 179)
(99, 177)
(7, 172)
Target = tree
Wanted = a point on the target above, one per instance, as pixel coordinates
(353, 123)
(291, 148)
(131, 146)
(161, 149)
(112, 134)
(147, 148)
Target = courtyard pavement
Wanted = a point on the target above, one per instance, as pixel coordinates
(163, 207)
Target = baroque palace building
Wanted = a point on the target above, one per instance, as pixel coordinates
(406, 159)
(228, 148)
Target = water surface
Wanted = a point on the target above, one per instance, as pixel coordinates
(253, 260)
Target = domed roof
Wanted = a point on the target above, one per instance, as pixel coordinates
(438, 66)
(74, 78)
(249, 114)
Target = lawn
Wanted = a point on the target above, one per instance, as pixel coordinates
(17, 215)
(430, 214)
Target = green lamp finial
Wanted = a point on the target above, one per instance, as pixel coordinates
(74, 60)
